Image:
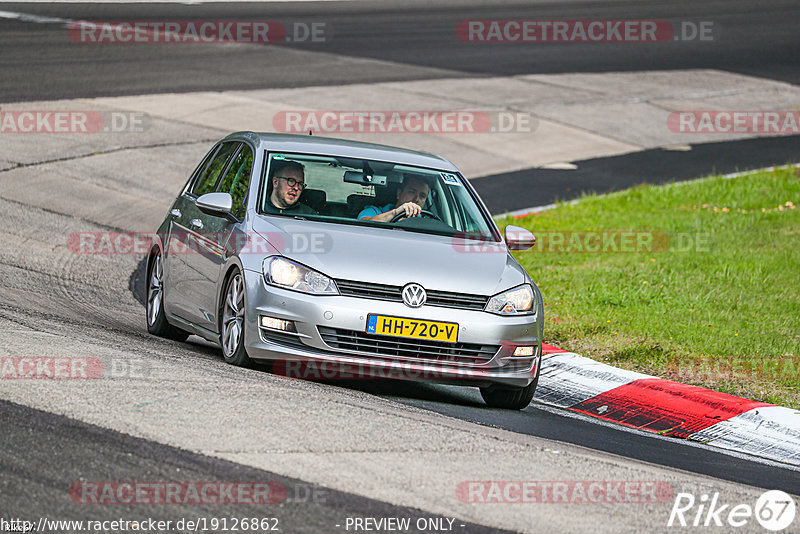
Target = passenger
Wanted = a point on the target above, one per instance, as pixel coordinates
(288, 182)
(411, 198)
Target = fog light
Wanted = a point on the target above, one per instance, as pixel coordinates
(277, 324)
(524, 351)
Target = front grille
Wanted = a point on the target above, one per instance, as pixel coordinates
(446, 299)
(457, 300)
(389, 347)
(370, 291)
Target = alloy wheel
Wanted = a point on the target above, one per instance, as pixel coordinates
(233, 316)
(155, 291)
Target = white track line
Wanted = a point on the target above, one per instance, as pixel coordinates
(36, 19)
(187, 2)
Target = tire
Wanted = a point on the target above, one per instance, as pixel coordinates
(511, 398)
(232, 319)
(156, 318)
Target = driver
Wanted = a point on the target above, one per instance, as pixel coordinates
(411, 199)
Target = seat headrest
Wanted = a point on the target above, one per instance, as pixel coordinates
(314, 198)
(356, 203)
(388, 194)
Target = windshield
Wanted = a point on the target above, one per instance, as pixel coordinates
(368, 192)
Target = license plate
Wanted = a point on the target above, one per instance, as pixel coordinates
(414, 328)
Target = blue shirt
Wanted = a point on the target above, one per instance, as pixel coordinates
(372, 211)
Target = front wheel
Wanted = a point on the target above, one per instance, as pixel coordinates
(232, 327)
(156, 317)
(511, 398)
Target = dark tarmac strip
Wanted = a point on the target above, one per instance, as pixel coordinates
(553, 423)
(537, 187)
(43, 455)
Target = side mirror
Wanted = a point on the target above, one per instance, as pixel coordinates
(518, 238)
(216, 205)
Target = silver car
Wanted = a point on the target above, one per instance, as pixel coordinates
(317, 285)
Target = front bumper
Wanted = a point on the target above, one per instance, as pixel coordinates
(493, 337)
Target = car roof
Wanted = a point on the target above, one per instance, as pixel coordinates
(312, 144)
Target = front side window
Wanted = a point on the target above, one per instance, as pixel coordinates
(348, 190)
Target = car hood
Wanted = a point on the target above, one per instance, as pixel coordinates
(393, 257)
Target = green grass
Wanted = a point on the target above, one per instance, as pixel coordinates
(715, 302)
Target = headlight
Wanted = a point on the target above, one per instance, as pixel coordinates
(285, 273)
(517, 300)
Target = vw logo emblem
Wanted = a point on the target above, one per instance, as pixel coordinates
(414, 295)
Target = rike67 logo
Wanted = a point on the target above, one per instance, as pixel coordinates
(774, 510)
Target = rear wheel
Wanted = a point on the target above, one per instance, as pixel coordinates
(156, 318)
(232, 327)
(511, 398)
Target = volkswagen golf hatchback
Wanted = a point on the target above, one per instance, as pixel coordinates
(298, 250)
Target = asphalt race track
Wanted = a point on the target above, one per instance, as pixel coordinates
(614, 173)
(166, 412)
(78, 446)
(416, 37)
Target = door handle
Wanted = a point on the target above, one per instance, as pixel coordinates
(175, 212)
(197, 223)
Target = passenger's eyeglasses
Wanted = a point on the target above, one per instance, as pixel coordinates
(291, 182)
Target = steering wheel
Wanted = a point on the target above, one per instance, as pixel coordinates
(424, 213)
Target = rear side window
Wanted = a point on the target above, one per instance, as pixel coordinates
(208, 182)
(191, 184)
(237, 179)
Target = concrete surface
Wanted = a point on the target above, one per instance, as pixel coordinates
(56, 303)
